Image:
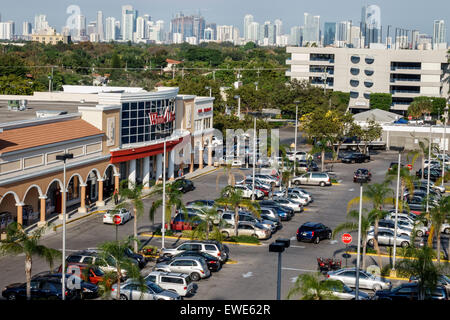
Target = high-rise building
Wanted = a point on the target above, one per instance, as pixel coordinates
(7, 30)
(343, 36)
(248, 20)
(141, 28)
(128, 26)
(91, 28)
(80, 27)
(311, 29)
(209, 34)
(295, 38)
(27, 29)
(225, 33)
(188, 26)
(213, 26)
(329, 33)
(110, 29)
(100, 27)
(269, 35)
(371, 24)
(254, 32)
(278, 27)
(40, 24)
(439, 36)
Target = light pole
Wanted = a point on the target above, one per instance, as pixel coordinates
(396, 207)
(443, 142)
(429, 171)
(239, 106)
(256, 85)
(254, 159)
(358, 254)
(295, 138)
(279, 246)
(64, 157)
(210, 90)
(163, 224)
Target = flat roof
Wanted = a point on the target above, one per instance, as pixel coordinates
(45, 134)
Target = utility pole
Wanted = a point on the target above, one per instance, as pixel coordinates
(358, 254)
(295, 137)
(254, 158)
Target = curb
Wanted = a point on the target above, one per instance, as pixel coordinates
(183, 238)
(79, 218)
(204, 173)
(399, 257)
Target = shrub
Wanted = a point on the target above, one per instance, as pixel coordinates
(381, 101)
(244, 239)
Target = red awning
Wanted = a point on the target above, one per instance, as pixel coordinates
(142, 152)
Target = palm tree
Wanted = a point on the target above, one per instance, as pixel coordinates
(19, 242)
(353, 226)
(134, 193)
(406, 181)
(210, 221)
(311, 287)
(322, 147)
(438, 216)
(232, 198)
(114, 251)
(377, 194)
(420, 264)
(231, 176)
(173, 199)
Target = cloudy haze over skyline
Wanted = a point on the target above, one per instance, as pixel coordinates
(407, 14)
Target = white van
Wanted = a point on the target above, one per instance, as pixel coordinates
(180, 283)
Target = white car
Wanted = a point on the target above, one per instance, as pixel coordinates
(300, 156)
(132, 290)
(298, 198)
(265, 178)
(247, 229)
(123, 213)
(247, 192)
(445, 228)
(389, 224)
(297, 207)
(302, 193)
(180, 283)
(366, 279)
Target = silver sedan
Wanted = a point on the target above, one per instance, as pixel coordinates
(366, 280)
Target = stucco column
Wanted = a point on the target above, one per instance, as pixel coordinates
(159, 167)
(132, 173)
(200, 157)
(210, 150)
(19, 213)
(43, 211)
(82, 208)
(116, 181)
(171, 165)
(146, 172)
(100, 202)
(191, 167)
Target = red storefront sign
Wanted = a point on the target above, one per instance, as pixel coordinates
(167, 117)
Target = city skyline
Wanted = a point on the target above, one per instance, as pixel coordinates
(227, 14)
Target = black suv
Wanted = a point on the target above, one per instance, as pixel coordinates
(85, 290)
(362, 175)
(409, 291)
(313, 232)
(435, 174)
(356, 157)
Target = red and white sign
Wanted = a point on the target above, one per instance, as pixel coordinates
(346, 238)
(167, 117)
(207, 109)
(117, 219)
(410, 166)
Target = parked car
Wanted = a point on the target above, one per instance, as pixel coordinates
(389, 224)
(124, 214)
(229, 218)
(276, 220)
(356, 157)
(309, 165)
(212, 247)
(194, 266)
(90, 274)
(362, 175)
(407, 221)
(445, 228)
(247, 229)
(313, 232)
(82, 289)
(213, 263)
(90, 257)
(302, 192)
(179, 283)
(41, 289)
(185, 220)
(247, 192)
(344, 292)
(423, 183)
(284, 214)
(409, 291)
(386, 238)
(294, 204)
(266, 178)
(394, 166)
(313, 178)
(186, 185)
(278, 206)
(300, 155)
(366, 279)
(200, 204)
(135, 256)
(435, 174)
(132, 290)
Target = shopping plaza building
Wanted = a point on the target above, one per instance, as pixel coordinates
(113, 133)
(405, 74)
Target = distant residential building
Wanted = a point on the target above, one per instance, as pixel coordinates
(27, 29)
(128, 26)
(295, 38)
(40, 24)
(188, 26)
(50, 38)
(110, 29)
(209, 34)
(91, 28)
(7, 30)
(405, 74)
(248, 20)
(371, 24)
(100, 26)
(311, 29)
(226, 33)
(329, 33)
(343, 36)
(439, 35)
(212, 26)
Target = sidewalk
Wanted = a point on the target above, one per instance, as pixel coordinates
(55, 224)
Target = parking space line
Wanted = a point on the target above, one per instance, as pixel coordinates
(294, 269)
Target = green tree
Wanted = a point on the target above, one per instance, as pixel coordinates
(311, 287)
(382, 101)
(232, 198)
(132, 194)
(19, 242)
(368, 134)
(420, 106)
(438, 215)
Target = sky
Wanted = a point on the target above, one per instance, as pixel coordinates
(408, 14)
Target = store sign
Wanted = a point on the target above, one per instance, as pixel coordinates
(167, 117)
(207, 109)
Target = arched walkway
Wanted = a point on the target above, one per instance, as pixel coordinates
(74, 186)
(32, 205)
(54, 199)
(8, 210)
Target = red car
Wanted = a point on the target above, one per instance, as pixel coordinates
(180, 223)
(94, 275)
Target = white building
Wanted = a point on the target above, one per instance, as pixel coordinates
(110, 29)
(248, 20)
(439, 35)
(225, 33)
(405, 74)
(7, 30)
(100, 26)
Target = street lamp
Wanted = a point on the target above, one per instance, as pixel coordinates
(210, 90)
(443, 141)
(163, 223)
(279, 246)
(396, 206)
(239, 106)
(254, 158)
(358, 254)
(295, 138)
(429, 171)
(256, 85)
(64, 157)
